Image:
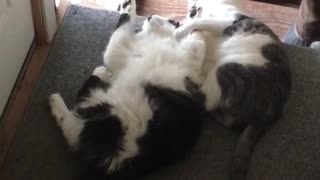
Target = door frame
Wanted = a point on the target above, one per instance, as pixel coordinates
(44, 19)
(10, 121)
(39, 21)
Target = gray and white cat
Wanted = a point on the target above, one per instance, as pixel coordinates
(247, 76)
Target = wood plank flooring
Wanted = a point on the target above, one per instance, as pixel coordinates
(279, 18)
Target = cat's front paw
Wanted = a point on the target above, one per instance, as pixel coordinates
(127, 7)
(181, 32)
(57, 104)
(194, 11)
(315, 45)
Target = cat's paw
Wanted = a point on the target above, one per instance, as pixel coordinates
(315, 45)
(103, 73)
(191, 86)
(57, 107)
(181, 32)
(127, 7)
(194, 10)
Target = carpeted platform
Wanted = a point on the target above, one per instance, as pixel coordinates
(290, 151)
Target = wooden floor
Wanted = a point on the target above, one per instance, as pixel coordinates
(277, 17)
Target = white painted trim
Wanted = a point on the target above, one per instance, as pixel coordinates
(50, 20)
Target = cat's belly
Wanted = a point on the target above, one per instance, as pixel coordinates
(131, 105)
(127, 94)
(244, 49)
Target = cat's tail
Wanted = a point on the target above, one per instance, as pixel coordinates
(243, 152)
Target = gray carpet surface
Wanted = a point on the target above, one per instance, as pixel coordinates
(289, 151)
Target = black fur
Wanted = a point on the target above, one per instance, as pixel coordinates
(253, 97)
(93, 82)
(171, 134)
(124, 5)
(173, 130)
(101, 138)
(102, 132)
(99, 110)
(193, 89)
(193, 11)
(245, 23)
(123, 19)
(249, 92)
(175, 23)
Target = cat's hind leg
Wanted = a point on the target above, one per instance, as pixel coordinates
(103, 74)
(215, 26)
(243, 152)
(122, 40)
(70, 125)
(194, 10)
(195, 46)
(100, 79)
(128, 6)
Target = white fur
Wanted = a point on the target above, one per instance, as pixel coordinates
(156, 59)
(215, 8)
(221, 8)
(244, 49)
(315, 45)
(103, 73)
(151, 56)
(70, 125)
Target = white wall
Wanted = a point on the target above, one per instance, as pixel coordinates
(16, 35)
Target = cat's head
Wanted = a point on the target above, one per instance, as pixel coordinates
(159, 25)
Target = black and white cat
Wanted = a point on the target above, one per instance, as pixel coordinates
(140, 113)
(247, 76)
